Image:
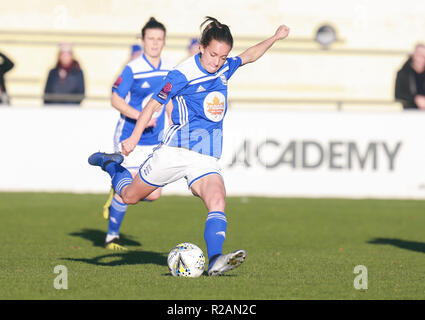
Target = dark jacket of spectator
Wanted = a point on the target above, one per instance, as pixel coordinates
(408, 85)
(410, 80)
(65, 83)
(5, 65)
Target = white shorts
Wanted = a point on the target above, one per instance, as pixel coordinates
(168, 164)
(133, 161)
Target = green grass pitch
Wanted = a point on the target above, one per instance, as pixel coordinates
(296, 248)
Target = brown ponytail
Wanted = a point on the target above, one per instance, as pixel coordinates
(215, 30)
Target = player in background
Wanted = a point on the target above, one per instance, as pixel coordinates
(192, 146)
(140, 78)
(136, 51)
(193, 47)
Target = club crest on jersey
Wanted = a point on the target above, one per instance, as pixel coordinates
(165, 91)
(223, 79)
(214, 106)
(117, 82)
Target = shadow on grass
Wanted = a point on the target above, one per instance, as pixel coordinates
(125, 258)
(97, 237)
(399, 243)
(204, 275)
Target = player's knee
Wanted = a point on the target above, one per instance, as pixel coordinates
(131, 201)
(128, 199)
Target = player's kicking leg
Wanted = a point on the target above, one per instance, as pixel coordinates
(127, 189)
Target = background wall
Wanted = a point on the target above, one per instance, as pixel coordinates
(300, 154)
(374, 38)
(357, 72)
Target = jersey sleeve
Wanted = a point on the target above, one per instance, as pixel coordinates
(124, 82)
(173, 83)
(234, 64)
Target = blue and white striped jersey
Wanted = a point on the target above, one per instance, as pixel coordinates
(199, 105)
(136, 84)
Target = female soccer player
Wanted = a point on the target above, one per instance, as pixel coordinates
(192, 145)
(140, 78)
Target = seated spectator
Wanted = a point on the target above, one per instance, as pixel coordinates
(410, 80)
(5, 65)
(65, 83)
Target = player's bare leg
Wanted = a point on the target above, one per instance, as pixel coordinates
(129, 189)
(155, 195)
(136, 191)
(212, 191)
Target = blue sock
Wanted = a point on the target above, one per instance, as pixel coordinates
(215, 233)
(116, 215)
(121, 177)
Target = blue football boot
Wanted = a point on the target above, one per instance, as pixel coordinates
(101, 159)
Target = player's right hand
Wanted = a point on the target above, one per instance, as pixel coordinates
(152, 123)
(127, 146)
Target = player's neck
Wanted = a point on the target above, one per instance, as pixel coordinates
(155, 61)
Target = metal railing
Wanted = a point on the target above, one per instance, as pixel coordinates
(339, 104)
(301, 45)
(179, 41)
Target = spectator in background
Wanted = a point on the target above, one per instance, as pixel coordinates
(136, 51)
(410, 80)
(5, 65)
(65, 83)
(193, 47)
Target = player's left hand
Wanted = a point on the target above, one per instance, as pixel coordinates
(282, 32)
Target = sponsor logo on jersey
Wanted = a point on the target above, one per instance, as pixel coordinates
(165, 91)
(214, 106)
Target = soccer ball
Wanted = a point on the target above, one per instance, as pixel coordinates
(186, 260)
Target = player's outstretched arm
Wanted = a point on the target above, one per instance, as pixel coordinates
(169, 110)
(145, 116)
(252, 54)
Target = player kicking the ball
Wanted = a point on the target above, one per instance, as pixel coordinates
(192, 145)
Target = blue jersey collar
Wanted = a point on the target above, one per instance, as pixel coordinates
(198, 63)
(151, 65)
